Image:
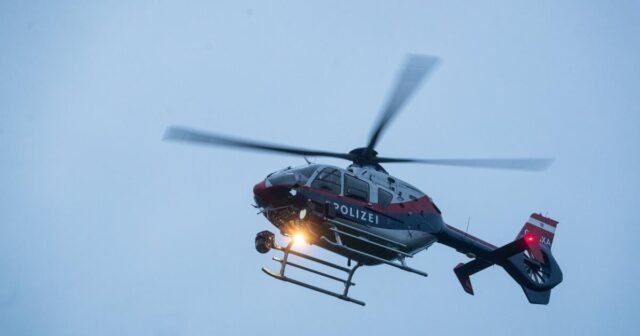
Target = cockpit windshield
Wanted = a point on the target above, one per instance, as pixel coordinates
(292, 176)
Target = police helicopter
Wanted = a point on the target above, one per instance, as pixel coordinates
(373, 218)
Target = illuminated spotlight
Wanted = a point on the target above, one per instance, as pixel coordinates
(299, 239)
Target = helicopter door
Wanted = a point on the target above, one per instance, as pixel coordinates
(384, 198)
(329, 179)
(356, 188)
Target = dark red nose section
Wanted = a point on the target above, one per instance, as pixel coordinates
(274, 195)
(261, 194)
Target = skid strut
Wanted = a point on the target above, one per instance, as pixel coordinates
(285, 261)
(341, 229)
(367, 238)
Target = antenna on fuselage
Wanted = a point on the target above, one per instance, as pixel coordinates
(466, 231)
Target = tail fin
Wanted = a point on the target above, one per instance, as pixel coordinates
(542, 227)
(528, 260)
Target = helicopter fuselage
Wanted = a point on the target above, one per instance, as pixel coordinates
(366, 202)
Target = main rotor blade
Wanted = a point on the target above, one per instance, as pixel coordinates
(199, 137)
(415, 70)
(511, 164)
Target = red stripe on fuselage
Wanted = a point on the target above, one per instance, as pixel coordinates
(412, 206)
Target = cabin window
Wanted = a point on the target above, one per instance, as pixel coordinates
(286, 178)
(308, 171)
(356, 188)
(328, 179)
(384, 198)
(296, 176)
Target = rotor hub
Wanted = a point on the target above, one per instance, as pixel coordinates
(364, 155)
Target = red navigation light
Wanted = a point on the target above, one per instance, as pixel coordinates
(530, 238)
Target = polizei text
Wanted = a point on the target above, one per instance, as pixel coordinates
(356, 213)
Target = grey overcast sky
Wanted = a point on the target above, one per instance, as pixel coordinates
(107, 230)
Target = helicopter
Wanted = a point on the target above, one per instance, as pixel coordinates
(370, 217)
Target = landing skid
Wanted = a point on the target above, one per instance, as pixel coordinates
(366, 237)
(285, 261)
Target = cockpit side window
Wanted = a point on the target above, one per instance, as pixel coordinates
(328, 179)
(356, 188)
(384, 198)
(308, 171)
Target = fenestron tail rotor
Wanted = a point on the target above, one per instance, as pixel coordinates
(415, 70)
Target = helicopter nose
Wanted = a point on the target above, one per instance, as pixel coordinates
(271, 195)
(260, 193)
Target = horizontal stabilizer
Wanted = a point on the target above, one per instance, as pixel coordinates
(497, 256)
